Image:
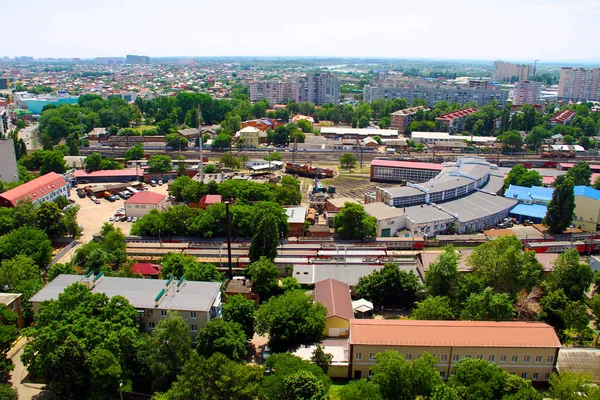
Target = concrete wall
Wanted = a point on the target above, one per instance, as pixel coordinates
(586, 213)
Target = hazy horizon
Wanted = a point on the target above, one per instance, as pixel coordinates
(468, 30)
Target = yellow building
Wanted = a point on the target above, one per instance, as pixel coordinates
(587, 208)
(528, 349)
(335, 296)
(249, 137)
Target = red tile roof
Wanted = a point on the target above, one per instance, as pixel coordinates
(34, 189)
(335, 295)
(211, 199)
(107, 173)
(146, 269)
(146, 197)
(407, 164)
(452, 333)
(457, 114)
(563, 116)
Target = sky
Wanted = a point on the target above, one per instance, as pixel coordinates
(512, 30)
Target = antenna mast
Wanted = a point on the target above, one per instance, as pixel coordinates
(201, 163)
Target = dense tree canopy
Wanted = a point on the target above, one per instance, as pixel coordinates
(561, 207)
(352, 222)
(389, 287)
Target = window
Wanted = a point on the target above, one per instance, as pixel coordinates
(515, 358)
(418, 355)
(443, 374)
(547, 376)
(467, 356)
(527, 359)
(193, 314)
(536, 376)
(194, 328)
(408, 357)
(503, 358)
(550, 359)
(538, 359)
(524, 375)
(150, 325)
(163, 313)
(358, 356)
(492, 358)
(370, 374)
(371, 356)
(444, 357)
(456, 358)
(480, 356)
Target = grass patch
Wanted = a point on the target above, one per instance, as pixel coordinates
(144, 127)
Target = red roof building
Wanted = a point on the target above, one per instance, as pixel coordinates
(335, 296)
(399, 120)
(562, 118)
(209, 200)
(146, 269)
(454, 121)
(109, 175)
(45, 188)
(142, 203)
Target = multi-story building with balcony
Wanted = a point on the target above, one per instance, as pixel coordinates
(274, 92)
(579, 84)
(508, 72)
(318, 88)
(527, 92)
(400, 119)
(454, 121)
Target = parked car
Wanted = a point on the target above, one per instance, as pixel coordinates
(134, 219)
(123, 218)
(111, 199)
(160, 183)
(97, 201)
(153, 183)
(111, 218)
(128, 219)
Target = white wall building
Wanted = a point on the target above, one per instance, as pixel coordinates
(142, 203)
(389, 219)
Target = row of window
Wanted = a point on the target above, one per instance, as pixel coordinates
(193, 327)
(165, 314)
(457, 357)
(535, 376)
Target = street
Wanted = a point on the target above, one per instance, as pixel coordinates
(20, 379)
(29, 134)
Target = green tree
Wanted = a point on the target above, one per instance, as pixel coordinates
(175, 264)
(221, 142)
(477, 379)
(434, 308)
(520, 176)
(389, 287)
(58, 268)
(442, 277)
(303, 385)
(160, 164)
(488, 306)
(360, 389)
(284, 365)
(265, 240)
(322, 359)
(169, 348)
(264, 275)
(352, 222)
(561, 207)
(135, 153)
(93, 162)
(27, 241)
(240, 310)
(53, 161)
(221, 336)
(571, 386)
(216, 378)
(210, 169)
(580, 174)
(511, 141)
(48, 218)
(291, 319)
(570, 275)
(347, 160)
(8, 334)
(7, 392)
(290, 283)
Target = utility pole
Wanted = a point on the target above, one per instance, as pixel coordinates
(201, 164)
(294, 149)
(228, 228)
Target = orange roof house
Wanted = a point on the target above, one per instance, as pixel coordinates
(335, 296)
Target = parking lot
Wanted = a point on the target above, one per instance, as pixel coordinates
(92, 216)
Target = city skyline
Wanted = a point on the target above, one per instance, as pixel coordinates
(462, 31)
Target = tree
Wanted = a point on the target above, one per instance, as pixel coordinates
(18, 273)
(304, 125)
(58, 268)
(221, 336)
(264, 275)
(7, 392)
(135, 153)
(303, 385)
(389, 287)
(265, 240)
(570, 275)
(290, 283)
(520, 176)
(488, 306)
(216, 378)
(442, 277)
(347, 160)
(210, 169)
(240, 310)
(175, 264)
(322, 359)
(291, 319)
(560, 208)
(477, 379)
(160, 164)
(221, 142)
(352, 222)
(580, 173)
(8, 334)
(434, 308)
(48, 218)
(511, 141)
(284, 365)
(571, 386)
(53, 161)
(27, 241)
(93, 162)
(67, 336)
(360, 389)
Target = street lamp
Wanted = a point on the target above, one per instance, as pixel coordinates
(228, 227)
(121, 390)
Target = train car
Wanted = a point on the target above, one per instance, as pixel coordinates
(351, 252)
(401, 243)
(556, 247)
(308, 171)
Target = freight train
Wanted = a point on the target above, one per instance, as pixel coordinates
(308, 171)
(583, 247)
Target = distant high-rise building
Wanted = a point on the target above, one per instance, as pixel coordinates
(318, 88)
(275, 92)
(527, 92)
(579, 84)
(131, 59)
(509, 72)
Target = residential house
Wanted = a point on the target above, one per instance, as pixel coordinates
(209, 200)
(562, 118)
(454, 122)
(263, 124)
(389, 219)
(242, 286)
(249, 137)
(296, 217)
(13, 302)
(401, 119)
(142, 203)
(335, 296)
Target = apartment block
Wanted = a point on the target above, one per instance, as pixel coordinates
(274, 92)
(579, 84)
(527, 92)
(400, 119)
(132, 59)
(318, 88)
(196, 302)
(4, 119)
(507, 72)
(454, 121)
(527, 349)
(435, 94)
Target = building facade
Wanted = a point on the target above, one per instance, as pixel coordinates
(45, 188)
(401, 119)
(249, 137)
(527, 349)
(8, 161)
(143, 202)
(274, 92)
(133, 59)
(508, 72)
(389, 219)
(579, 84)
(318, 88)
(562, 118)
(403, 171)
(4, 119)
(335, 296)
(435, 94)
(196, 302)
(527, 92)
(454, 122)
(587, 208)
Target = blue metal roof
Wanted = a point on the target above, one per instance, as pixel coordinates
(587, 192)
(522, 193)
(530, 210)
